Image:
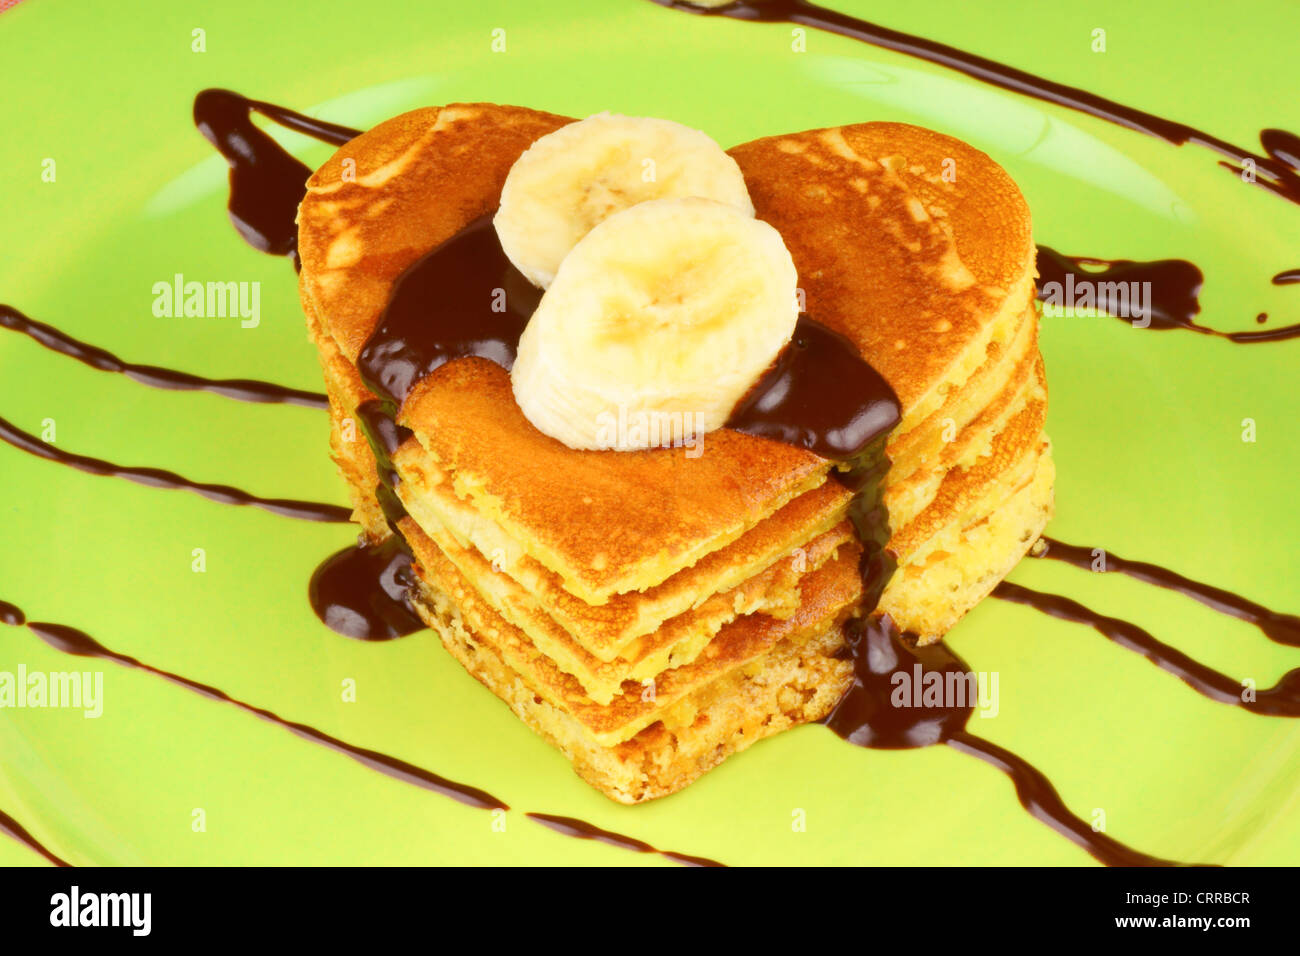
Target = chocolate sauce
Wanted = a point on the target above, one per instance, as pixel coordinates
(361, 592)
(1276, 168)
(1287, 278)
(463, 298)
(820, 395)
(364, 591)
(1280, 700)
(11, 614)
(1282, 147)
(1174, 285)
(868, 717)
(12, 828)
(158, 478)
(1040, 799)
(241, 389)
(266, 183)
(70, 640)
(385, 437)
(573, 827)
(1280, 628)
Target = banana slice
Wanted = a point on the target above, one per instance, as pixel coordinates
(659, 321)
(571, 179)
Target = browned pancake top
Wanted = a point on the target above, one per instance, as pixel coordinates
(419, 178)
(606, 521)
(909, 263)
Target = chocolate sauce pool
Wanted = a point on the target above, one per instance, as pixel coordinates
(362, 592)
(866, 716)
(442, 308)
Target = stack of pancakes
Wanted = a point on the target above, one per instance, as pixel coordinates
(652, 612)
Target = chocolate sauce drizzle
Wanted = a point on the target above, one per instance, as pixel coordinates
(573, 827)
(1280, 700)
(70, 640)
(1277, 168)
(867, 717)
(266, 183)
(1174, 281)
(11, 614)
(820, 395)
(240, 389)
(12, 828)
(1288, 277)
(158, 478)
(1280, 628)
(361, 591)
(1174, 284)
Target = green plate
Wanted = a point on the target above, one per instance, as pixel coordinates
(1147, 426)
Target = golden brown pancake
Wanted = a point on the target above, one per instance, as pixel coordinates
(611, 630)
(774, 592)
(948, 429)
(571, 581)
(955, 570)
(826, 597)
(913, 244)
(794, 683)
(907, 494)
(606, 523)
(419, 178)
